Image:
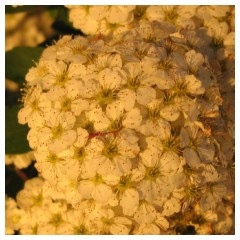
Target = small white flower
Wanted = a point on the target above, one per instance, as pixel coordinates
(196, 148)
(32, 194)
(54, 219)
(179, 15)
(155, 123)
(114, 225)
(83, 20)
(95, 188)
(48, 164)
(57, 134)
(73, 157)
(69, 186)
(35, 104)
(140, 83)
(213, 194)
(146, 229)
(146, 213)
(13, 216)
(120, 14)
(20, 160)
(61, 74)
(157, 173)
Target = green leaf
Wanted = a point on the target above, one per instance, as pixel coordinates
(10, 9)
(19, 60)
(15, 134)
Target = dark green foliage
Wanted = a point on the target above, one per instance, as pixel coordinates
(19, 60)
(15, 134)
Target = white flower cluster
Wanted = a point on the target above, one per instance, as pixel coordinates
(23, 29)
(101, 19)
(127, 132)
(20, 160)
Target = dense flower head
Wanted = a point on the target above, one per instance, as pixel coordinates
(124, 129)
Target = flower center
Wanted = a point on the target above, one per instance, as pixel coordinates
(113, 26)
(152, 173)
(165, 64)
(76, 49)
(110, 150)
(217, 42)
(53, 158)
(194, 143)
(34, 229)
(168, 98)
(124, 183)
(107, 221)
(133, 83)
(192, 69)
(141, 52)
(56, 220)
(62, 78)
(57, 131)
(89, 126)
(42, 71)
(34, 105)
(154, 113)
(38, 200)
(171, 15)
(66, 104)
(180, 88)
(80, 230)
(97, 179)
(79, 154)
(115, 125)
(107, 96)
(171, 144)
(192, 192)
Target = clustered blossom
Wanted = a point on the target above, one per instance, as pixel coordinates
(24, 29)
(20, 160)
(127, 131)
(101, 19)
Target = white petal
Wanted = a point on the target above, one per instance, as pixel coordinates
(56, 93)
(170, 112)
(114, 110)
(127, 98)
(162, 223)
(86, 188)
(149, 158)
(102, 193)
(184, 138)
(191, 157)
(133, 119)
(63, 142)
(79, 105)
(23, 114)
(206, 153)
(119, 229)
(194, 59)
(76, 70)
(164, 81)
(194, 86)
(82, 135)
(129, 201)
(169, 163)
(122, 164)
(145, 95)
(109, 78)
(133, 69)
(67, 119)
(36, 119)
(122, 220)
